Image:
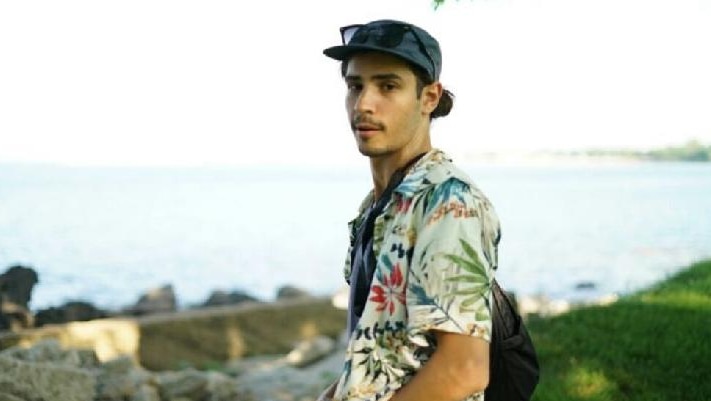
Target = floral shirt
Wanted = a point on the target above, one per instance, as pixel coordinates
(435, 245)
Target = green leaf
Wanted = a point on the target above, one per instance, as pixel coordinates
(473, 255)
(386, 260)
(467, 278)
(467, 265)
(468, 302)
(482, 316)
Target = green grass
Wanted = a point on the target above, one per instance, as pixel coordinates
(650, 346)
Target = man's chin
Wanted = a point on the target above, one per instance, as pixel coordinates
(372, 152)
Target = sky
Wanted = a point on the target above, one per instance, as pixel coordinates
(146, 82)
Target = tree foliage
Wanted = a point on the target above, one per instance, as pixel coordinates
(692, 151)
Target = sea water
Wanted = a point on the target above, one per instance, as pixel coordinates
(106, 235)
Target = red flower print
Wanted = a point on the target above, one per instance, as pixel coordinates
(392, 289)
(402, 204)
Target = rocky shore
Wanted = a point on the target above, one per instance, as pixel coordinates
(232, 347)
(47, 371)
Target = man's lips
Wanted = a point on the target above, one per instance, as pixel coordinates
(367, 127)
(365, 131)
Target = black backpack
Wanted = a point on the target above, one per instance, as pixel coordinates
(513, 364)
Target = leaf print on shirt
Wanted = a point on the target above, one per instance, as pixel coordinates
(475, 280)
(452, 188)
(391, 290)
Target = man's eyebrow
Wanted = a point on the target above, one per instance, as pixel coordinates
(388, 76)
(376, 77)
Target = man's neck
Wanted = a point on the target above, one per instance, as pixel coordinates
(383, 168)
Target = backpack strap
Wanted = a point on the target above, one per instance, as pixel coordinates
(363, 260)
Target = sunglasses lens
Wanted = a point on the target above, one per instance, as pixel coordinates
(388, 36)
(348, 33)
(391, 36)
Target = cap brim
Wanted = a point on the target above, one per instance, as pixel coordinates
(344, 52)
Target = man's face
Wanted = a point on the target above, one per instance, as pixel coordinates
(383, 105)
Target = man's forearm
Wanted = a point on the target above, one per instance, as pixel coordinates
(456, 370)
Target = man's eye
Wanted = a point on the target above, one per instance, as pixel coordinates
(389, 86)
(354, 87)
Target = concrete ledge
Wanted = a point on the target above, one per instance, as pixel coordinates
(201, 337)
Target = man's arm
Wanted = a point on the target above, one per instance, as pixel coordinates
(458, 368)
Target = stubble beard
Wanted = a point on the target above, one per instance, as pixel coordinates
(371, 151)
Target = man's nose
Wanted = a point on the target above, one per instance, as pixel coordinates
(366, 101)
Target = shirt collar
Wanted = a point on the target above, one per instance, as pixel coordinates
(426, 173)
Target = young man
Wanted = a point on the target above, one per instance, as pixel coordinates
(423, 246)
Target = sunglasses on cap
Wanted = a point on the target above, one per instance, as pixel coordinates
(386, 35)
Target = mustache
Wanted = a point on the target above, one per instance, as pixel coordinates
(364, 119)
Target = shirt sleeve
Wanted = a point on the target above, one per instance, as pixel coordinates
(449, 285)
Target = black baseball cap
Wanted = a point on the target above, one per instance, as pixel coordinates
(407, 41)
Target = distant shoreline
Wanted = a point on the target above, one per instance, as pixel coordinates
(691, 152)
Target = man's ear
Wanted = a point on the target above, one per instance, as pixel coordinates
(430, 97)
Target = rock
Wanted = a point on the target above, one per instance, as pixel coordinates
(218, 298)
(607, 299)
(191, 384)
(69, 312)
(121, 365)
(120, 386)
(15, 293)
(221, 387)
(14, 317)
(146, 393)
(157, 300)
(279, 382)
(542, 306)
(586, 285)
(291, 292)
(43, 381)
(188, 383)
(340, 298)
(238, 367)
(309, 351)
(121, 379)
(45, 375)
(50, 350)
(12, 391)
(8, 397)
(16, 285)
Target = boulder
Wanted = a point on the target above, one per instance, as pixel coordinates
(45, 381)
(7, 396)
(122, 379)
(312, 350)
(69, 312)
(16, 285)
(157, 300)
(50, 351)
(14, 317)
(15, 293)
(291, 292)
(146, 393)
(44, 372)
(586, 285)
(219, 297)
(188, 383)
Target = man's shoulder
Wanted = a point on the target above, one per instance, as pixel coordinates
(436, 172)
